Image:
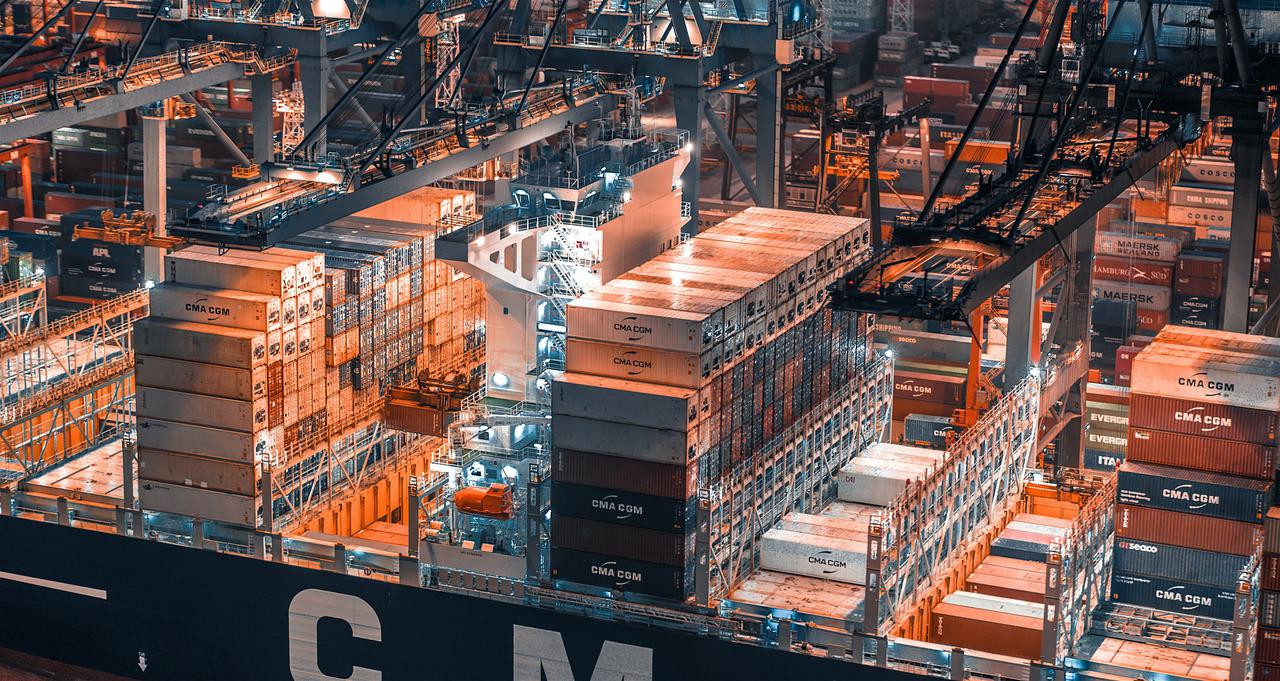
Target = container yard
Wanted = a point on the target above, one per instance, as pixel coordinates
(875, 339)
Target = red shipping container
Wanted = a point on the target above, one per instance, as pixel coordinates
(1200, 453)
(1124, 363)
(1027, 42)
(1267, 650)
(1221, 422)
(977, 76)
(980, 629)
(1266, 672)
(1136, 271)
(1152, 320)
(1196, 265)
(1269, 575)
(1209, 287)
(1187, 530)
(936, 87)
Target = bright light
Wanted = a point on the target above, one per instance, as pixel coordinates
(688, 147)
(480, 241)
(679, 184)
(626, 196)
(150, 284)
(1035, 372)
(510, 474)
(888, 354)
(39, 271)
(501, 380)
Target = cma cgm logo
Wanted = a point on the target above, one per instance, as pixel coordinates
(538, 654)
(633, 330)
(202, 306)
(632, 362)
(1202, 381)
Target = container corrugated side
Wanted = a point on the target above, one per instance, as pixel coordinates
(632, 475)
(609, 539)
(193, 501)
(876, 482)
(197, 266)
(617, 439)
(1267, 649)
(220, 307)
(1269, 609)
(1144, 296)
(1116, 244)
(207, 379)
(1271, 530)
(218, 475)
(187, 438)
(202, 410)
(1201, 453)
(1192, 417)
(622, 507)
(621, 574)
(1180, 564)
(1217, 378)
(1190, 491)
(1173, 596)
(1214, 339)
(635, 363)
(1269, 572)
(811, 555)
(1187, 530)
(629, 402)
(207, 343)
(980, 629)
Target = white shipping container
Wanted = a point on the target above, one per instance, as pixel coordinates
(633, 363)
(194, 471)
(627, 402)
(619, 439)
(187, 438)
(633, 325)
(1232, 379)
(970, 599)
(1145, 296)
(206, 343)
(1160, 249)
(811, 555)
(154, 495)
(202, 410)
(203, 266)
(220, 307)
(1210, 171)
(207, 379)
(876, 482)
(1200, 197)
(1199, 216)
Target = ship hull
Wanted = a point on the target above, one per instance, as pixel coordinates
(148, 610)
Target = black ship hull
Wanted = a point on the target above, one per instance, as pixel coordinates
(148, 610)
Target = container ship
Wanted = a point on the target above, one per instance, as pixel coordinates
(332, 333)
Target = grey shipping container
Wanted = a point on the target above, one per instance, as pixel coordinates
(621, 574)
(1173, 596)
(187, 438)
(1187, 530)
(1192, 417)
(927, 429)
(1136, 557)
(219, 475)
(1019, 549)
(1197, 492)
(618, 439)
(1201, 453)
(609, 539)
(622, 507)
(632, 475)
(200, 343)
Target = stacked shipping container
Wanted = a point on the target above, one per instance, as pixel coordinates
(682, 368)
(1198, 480)
(1106, 414)
(328, 324)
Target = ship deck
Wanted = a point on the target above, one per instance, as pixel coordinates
(1127, 656)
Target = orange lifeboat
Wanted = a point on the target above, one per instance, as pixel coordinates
(493, 501)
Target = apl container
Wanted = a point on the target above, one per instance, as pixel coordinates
(1173, 596)
(1177, 563)
(1189, 491)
